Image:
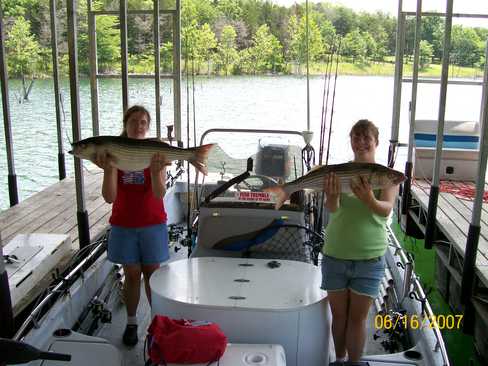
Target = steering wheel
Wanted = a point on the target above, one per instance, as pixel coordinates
(266, 182)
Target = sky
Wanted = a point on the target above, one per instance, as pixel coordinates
(391, 7)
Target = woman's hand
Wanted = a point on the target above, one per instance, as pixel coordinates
(103, 160)
(362, 189)
(332, 190)
(158, 163)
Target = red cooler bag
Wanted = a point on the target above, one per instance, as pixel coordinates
(184, 341)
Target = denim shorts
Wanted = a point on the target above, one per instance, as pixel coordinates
(145, 245)
(361, 276)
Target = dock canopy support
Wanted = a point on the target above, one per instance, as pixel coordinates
(6, 312)
(430, 227)
(468, 279)
(12, 177)
(82, 214)
(413, 111)
(57, 94)
(397, 89)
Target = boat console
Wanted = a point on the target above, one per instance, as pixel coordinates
(253, 300)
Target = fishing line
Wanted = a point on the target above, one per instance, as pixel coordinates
(64, 118)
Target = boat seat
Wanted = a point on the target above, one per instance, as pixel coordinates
(84, 350)
(250, 229)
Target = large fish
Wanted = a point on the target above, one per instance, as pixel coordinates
(135, 154)
(377, 175)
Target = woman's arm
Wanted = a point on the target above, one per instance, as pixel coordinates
(158, 174)
(332, 190)
(383, 205)
(109, 185)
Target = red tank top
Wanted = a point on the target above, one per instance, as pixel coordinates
(135, 204)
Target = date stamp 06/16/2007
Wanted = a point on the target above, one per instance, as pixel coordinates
(441, 321)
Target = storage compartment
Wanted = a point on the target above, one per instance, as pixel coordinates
(456, 164)
(30, 257)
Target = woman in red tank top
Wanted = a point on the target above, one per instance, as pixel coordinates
(139, 237)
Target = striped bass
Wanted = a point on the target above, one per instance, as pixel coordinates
(377, 175)
(135, 154)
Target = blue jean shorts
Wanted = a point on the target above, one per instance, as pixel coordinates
(361, 276)
(145, 245)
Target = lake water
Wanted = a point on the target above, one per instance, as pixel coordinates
(274, 102)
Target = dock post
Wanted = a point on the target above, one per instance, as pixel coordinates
(12, 177)
(57, 94)
(6, 313)
(82, 214)
(468, 279)
(430, 227)
(397, 89)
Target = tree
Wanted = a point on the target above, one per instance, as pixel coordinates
(231, 9)
(426, 52)
(355, 46)
(344, 20)
(23, 54)
(298, 41)
(467, 48)
(265, 53)
(227, 49)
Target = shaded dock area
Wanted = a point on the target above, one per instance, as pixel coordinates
(53, 210)
(454, 213)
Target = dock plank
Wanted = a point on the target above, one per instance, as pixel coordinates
(53, 210)
(453, 217)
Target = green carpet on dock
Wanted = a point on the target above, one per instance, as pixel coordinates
(459, 346)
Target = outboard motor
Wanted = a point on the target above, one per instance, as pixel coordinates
(272, 159)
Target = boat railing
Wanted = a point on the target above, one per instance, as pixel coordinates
(418, 293)
(97, 248)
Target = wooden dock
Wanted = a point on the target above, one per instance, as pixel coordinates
(53, 210)
(453, 218)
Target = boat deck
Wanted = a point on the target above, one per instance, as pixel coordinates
(53, 210)
(453, 218)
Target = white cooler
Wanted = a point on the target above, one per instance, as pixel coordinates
(250, 355)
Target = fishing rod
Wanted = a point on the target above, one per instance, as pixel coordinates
(333, 100)
(324, 116)
(324, 103)
(188, 203)
(320, 220)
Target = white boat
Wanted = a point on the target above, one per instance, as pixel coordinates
(263, 291)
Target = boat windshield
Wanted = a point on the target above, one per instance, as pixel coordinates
(278, 157)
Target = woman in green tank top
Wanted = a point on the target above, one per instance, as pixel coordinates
(353, 264)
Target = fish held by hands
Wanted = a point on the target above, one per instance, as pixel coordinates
(136, 154)
(348, 174)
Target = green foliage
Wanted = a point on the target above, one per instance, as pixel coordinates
(265, 54)
(23, 50)
(467, 48)
(227, 52)
(259, 26)
(355, 46)
(426, 52)
(298, 41)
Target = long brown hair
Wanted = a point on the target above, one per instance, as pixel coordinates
(134, 109)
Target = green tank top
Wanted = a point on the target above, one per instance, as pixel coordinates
(354, 232)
